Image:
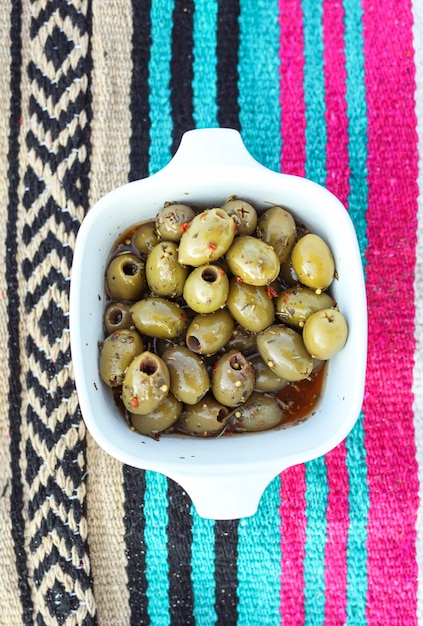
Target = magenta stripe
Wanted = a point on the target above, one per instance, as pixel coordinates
(337, 167)
(391, 218)
(291, 89)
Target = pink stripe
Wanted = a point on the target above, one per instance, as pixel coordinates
(293, 486)
(337, 164)
(291, 87)
(391, 218)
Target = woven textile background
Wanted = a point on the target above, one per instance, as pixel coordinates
(95, 94)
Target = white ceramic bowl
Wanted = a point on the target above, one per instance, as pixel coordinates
(225, 477)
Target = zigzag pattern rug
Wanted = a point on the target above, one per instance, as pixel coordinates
(96, 94)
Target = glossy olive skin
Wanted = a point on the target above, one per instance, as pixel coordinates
(277, 227)
(189, 378)
(266, 379)
(116, 353)
(242, 340)
(116, 317)
(261, 412)
(171, 219)
(294, 306)
(207, 418)
(158, 317)
(325, 333)
(145, 237)
(313, 262)
(160, 419)
(283, 350)
(253, 261)
(208, 237)
(206, 288)
(208, 333)
(243, 214)
(250, 305)
(146, 383)
(165, 275)
(125, 277)
(232, 379)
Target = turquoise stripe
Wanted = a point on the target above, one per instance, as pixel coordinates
(159, 80)
(202, 566)
(204, 64)
(315, 168)
(314, 92)
(356, 453)
(155, 534)
(259, 562)
(258, 67)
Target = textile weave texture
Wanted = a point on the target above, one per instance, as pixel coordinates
(97, 94)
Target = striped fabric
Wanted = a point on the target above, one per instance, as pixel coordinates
(95, 94)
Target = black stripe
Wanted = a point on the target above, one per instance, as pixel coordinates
(134, 520)
(15, 388)
(139, 105)
(227, 63)
(181, 68)
(225, 567)
(179, 535)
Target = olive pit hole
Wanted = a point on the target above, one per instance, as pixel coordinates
(148, 366)
(223, 413)
(129, 269)
(209, 274)
(115, 316)
(193, 343)
(235, 362)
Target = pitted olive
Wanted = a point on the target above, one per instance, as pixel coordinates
(208, 237)
(250, 305)
(313, 262)
(125, 277)
(266, 379)
(277, 228)
(160, 419)
(146, 383)
(206, 418)
(243, 214)
(261, 412)
(206, 289)
(145, 237)
(116, 353)
(189, 379)
(253, 261)
(158, 317)
(165, 275)
(232, 379)
(294, 306)
(117, 317)
(171, 219)
(282, 349)
(325, 333)
(207, 333)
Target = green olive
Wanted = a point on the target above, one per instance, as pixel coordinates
(287, 274)
(277, 228)
(232, 379)
(125, 277)
(206, 418)
(282, 349)
(189, 379)
(145, 237)
(266, 379)
(158, 317)
(294, 306)
(206, 289)
(160, 419)
(325, 333)
(242, 340)
(116, 353)
(208, 237)
(261, 412)
(253, 261)
(165, 275)
(250, 306)
(208, 333)
(116, 317)
(313, 262)
(243, 214)
(146, 383)
(170, 221)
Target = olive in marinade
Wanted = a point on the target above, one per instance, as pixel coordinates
(116, 353)
(145, 237)
(253, 261)
(146, 383)
(189, 378)
(282, 349)
(243, 214)
(125, 277)
(208, 333)
(208, 237)
(266, 379)
(294, 306)
(206, 418)
(261, 412)
(158, 317)
(277, 227)
(171, 219)
(160, 419)
(232, 379)
(313, 262)
(206, 289)
(117, 317)
(250, 305)
(325, 333)
(165, 275)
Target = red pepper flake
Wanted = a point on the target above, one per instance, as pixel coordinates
(134, 402)
(239, 280)
(221, 271)
(271, 292)
(235, 228)
(185, 227)
(211, 246)
(215, 366)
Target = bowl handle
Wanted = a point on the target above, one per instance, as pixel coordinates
(225, 496)
(211, 146)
